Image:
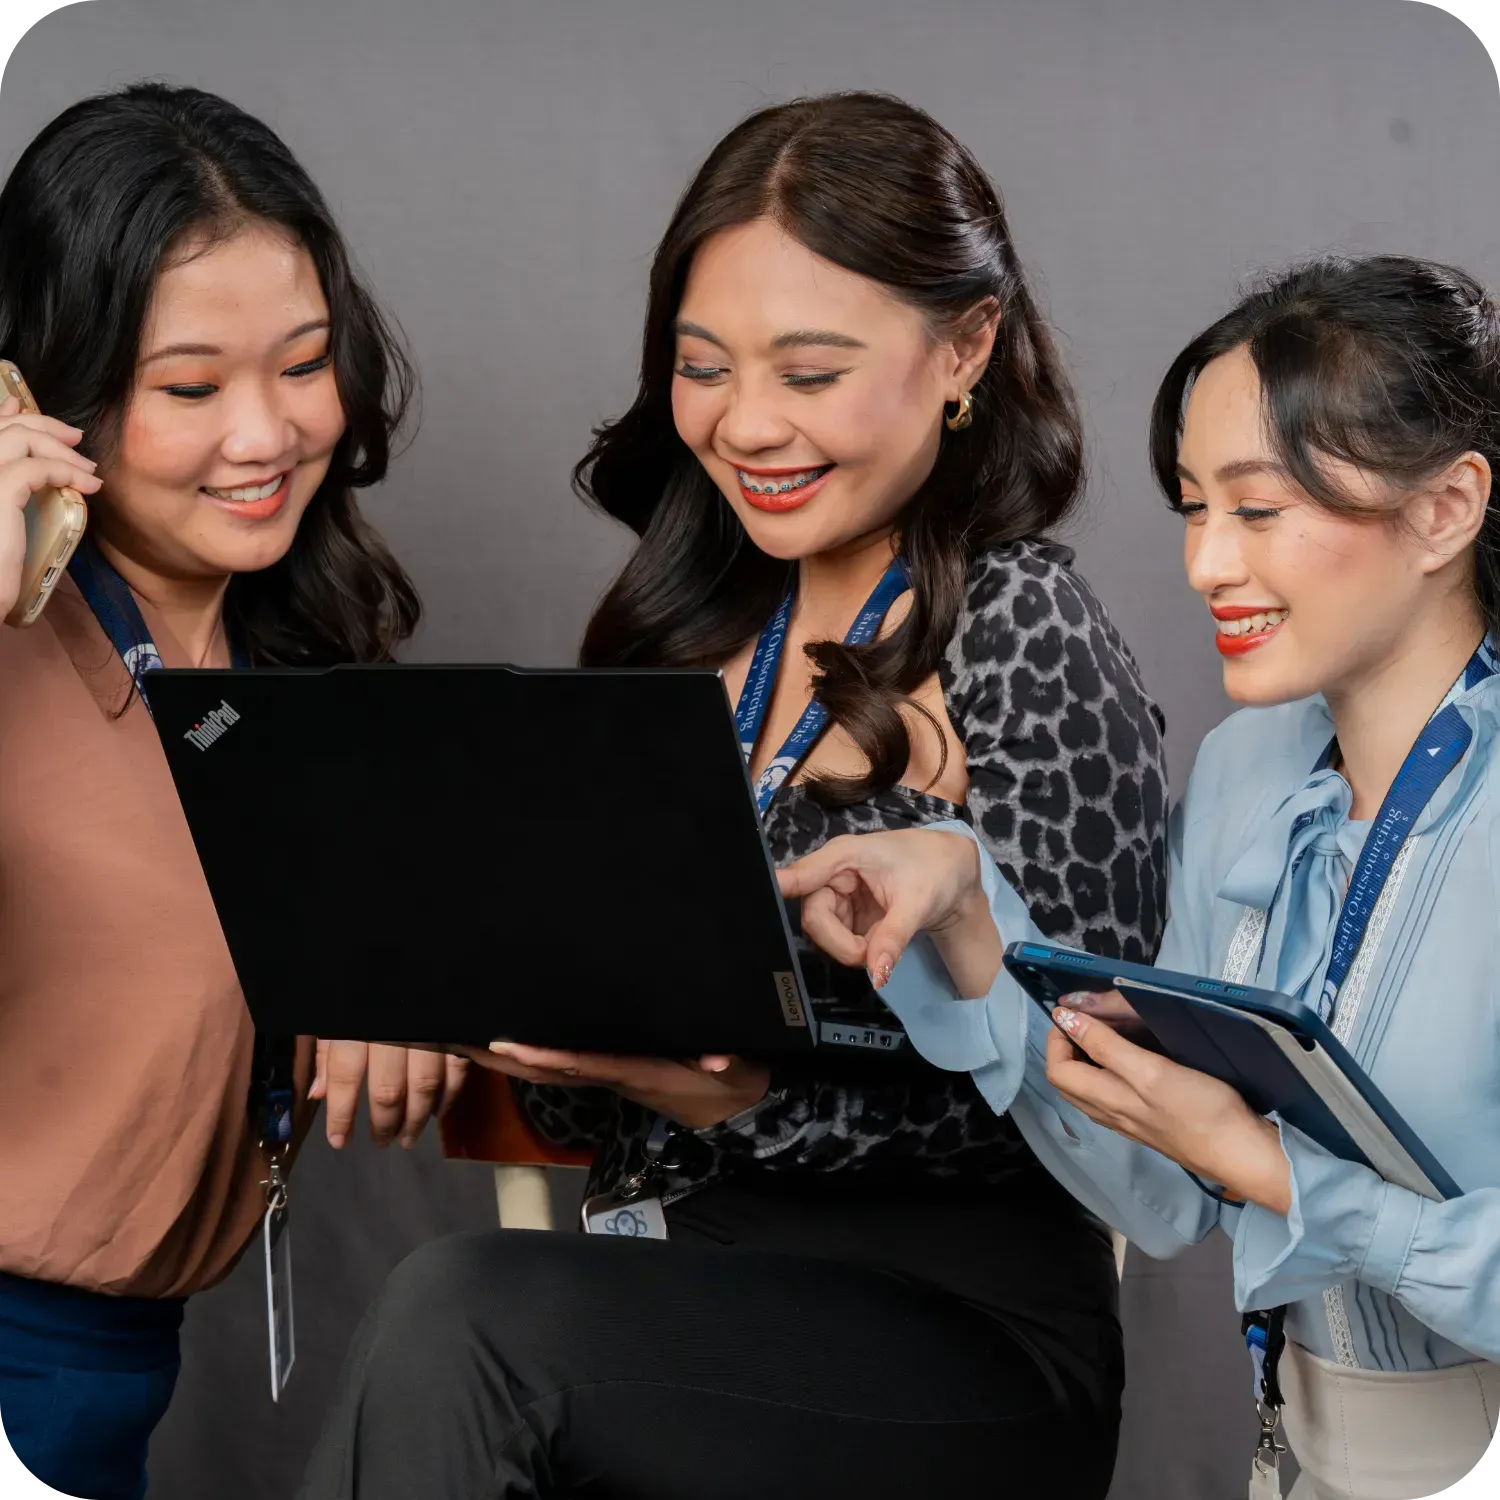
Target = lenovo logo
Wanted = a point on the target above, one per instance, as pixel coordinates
(211, 726)
(791, 1001)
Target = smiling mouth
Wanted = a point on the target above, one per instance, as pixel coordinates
(252, 502)
(781, 489)
(248, 494)
(1238, 632)
(779, 484)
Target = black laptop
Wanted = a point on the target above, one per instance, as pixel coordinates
(424, 854)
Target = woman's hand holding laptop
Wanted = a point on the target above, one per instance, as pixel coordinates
(408, 1087)
(696, 1094)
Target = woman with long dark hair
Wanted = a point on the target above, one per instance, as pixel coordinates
(1330, 445)
(182, 305)
(851, 429)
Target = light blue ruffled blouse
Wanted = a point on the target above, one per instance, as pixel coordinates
(1376, 1276)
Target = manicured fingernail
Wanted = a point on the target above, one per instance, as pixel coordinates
(501, 1047)
(1083, 1002)
(719, 1065)
(337, 1141)
(880, 971)
(1068, 1020)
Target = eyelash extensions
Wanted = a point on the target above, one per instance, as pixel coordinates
(200, 392)
(1190, 508)
(819, 381)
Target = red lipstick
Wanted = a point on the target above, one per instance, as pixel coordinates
(1242, 645)
(781, 501)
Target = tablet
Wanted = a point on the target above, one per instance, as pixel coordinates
(1280, 1056)
(436, 855)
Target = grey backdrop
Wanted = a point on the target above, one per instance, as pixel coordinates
(504, 169)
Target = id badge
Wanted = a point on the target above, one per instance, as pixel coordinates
(632, 1218)
(276, 1232)
(1265, 1482)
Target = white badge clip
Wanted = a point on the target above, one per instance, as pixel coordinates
(276, 1235)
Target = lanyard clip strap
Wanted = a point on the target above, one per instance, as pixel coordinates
(273, 1091)
(276, 1129)
(1265, 1337)
(655, 1164)
(656, 1143)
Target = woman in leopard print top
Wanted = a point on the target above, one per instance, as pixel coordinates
(1067, 789)
(871, 1284)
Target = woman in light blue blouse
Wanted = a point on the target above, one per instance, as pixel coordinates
(1329, 445)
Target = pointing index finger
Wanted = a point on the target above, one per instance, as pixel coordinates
(815, 870)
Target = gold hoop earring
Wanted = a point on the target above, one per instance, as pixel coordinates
(962, 417)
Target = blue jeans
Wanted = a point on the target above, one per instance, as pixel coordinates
(84, 1379)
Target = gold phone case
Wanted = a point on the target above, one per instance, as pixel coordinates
(55, 519)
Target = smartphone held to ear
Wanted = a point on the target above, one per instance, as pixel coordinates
(55, 519)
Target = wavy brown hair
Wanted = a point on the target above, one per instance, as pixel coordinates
(97, 204)
(878, 187)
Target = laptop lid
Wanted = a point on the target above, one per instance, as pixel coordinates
(426, 854)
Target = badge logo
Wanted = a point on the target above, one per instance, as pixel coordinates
(630, 1222)
(141, 658)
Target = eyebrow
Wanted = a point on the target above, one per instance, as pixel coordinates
(800, 338)
(815, 338)
(177, 351)
(1241, 468)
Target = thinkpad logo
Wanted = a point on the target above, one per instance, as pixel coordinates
(211, 726)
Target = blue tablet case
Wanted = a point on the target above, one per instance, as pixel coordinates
(1279, 1055)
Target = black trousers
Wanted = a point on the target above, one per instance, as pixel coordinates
(521, 1363)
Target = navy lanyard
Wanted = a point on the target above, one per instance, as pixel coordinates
(114, 607)
(755, 696)
(272, 1090)
(1439, 748)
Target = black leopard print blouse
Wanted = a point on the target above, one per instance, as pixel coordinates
(1067, 790)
